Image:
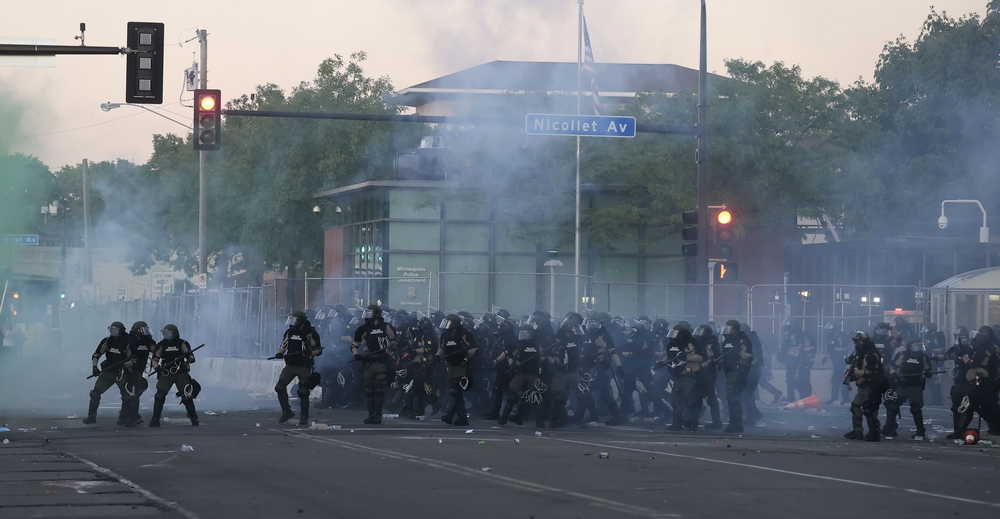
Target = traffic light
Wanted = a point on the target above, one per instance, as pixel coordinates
(723, 235)
(207, 119)
(727, 271)
(13, 305)
(144, 63)
(689, 233)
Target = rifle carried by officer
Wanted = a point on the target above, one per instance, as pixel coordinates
(167, 365)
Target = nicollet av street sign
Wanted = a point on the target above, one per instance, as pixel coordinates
(579, 125)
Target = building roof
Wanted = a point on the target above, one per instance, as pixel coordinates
(987, 278)
(615, 80)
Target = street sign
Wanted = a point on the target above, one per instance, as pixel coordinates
(582, 125)
(203, 281)
(162, 281)
(19, 239)
(122, 295)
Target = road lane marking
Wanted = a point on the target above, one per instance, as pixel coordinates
(781, 471)
(142, 491)
(518, 484)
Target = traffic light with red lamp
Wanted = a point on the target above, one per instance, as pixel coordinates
(207, 119)
(722, 246)
(16, 296)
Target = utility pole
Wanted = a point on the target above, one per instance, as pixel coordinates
(88, 273)
(703, 266)
(202, 253)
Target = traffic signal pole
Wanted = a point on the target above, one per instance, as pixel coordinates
(704, 276)
(202, 251)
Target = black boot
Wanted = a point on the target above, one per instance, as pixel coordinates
(461, 416)
(873, 430)
(507, 408)
(286, 408)
(95, 401)
(191, 413)
(304, 410)
(157, 411)
(374, 415)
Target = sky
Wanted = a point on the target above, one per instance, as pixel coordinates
(252, 42)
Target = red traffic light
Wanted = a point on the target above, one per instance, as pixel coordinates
(207, 119)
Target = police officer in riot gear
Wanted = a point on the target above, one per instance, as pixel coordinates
(975, 366)
(736, 356)
(564, 360)
(117, 360)
(683, 361)
(708, 346)
(299, 347)
(910, 368)
(598, 358)
(882, 340)
(523, 390)
(421, 345)
(141, 344)
(865, 368)
(378, 338)
(172, 359)
(934, 341)
(458, 345)
(500, 363)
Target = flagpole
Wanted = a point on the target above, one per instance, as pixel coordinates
(579, 81)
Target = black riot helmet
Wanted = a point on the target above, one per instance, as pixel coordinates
(678, 330)
(503, 312)
(117, 329)
(451, 322)
(141, 328)
(929, 328)
(882, 329)
(372, 312)
(915, 345)
(170, 332)
(296, 319)
(732, 326)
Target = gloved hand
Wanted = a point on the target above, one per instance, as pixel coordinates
(279, 355)
(357, 356)
(620, 372)
(659, 364)
(190, 358)
(97, 372)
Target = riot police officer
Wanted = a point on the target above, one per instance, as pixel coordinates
(421, 345)
(975, 366)
(708, 346)
(299, 347)
(523, 388)
(934, 341)
(500, 363)
(598, 358)
(172, 359)
(141, 344)
(564, 360)
(117, 359)
(910, 367)
(683, 361)
(865, 368)
(378, 338)
(458, 345)
(737, 356)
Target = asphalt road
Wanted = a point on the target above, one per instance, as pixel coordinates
(241, 463)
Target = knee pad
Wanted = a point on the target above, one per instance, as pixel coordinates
(303, 393)
(160, 398)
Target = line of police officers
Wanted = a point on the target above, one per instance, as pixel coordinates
(126, 357)
(536, 367)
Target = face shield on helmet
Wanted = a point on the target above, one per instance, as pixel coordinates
(673, 334)
(728, 330)
(144, 331)
(882, 332)
(699, 332)
(168, 335)
(916, 347)
(368, 313)
(593, 324)
(291, 320)
(114, 331)
(524, 335)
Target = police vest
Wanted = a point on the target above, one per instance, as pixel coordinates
(171, 351)
(116, 352)
(142, 347)
(528, 356)
(912, 367)
(730, 353)
(377, 340)
(295, 348)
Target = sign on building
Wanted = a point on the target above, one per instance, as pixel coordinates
(162, 281)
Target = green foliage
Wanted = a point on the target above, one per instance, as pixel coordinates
(26, 184)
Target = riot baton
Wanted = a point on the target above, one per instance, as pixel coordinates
(173, 361)
(113, 366)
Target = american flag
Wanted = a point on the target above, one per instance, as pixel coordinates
(588, 68)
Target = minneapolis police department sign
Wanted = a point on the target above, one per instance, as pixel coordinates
(581, 125)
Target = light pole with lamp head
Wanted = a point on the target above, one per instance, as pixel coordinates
(107, 107)
(870, 301)
(552, 263)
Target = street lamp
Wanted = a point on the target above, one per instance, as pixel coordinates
(870, 301)
(984, 231)
(107, 107)
(552, 263)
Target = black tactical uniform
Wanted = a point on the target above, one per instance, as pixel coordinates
(500, 362)
(597, 355)
(299, 347)
(737, 355)
(975, 366)
(865, 367)
(707, 344)
(683, 361)
(910, 368)
(934, 341)
(421, 344)
(524, 382)
(141, 345)
(172, 361)
(458, 345)
(637, 357)
(117, 360)
(378, 338)
(564, 360)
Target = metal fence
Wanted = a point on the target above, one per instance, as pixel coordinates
(519, 292)
(668, 300)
